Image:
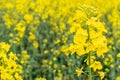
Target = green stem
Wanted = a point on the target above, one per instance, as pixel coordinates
(90, 73)
(89, 69)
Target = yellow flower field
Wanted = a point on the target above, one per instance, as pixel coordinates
(59, 39)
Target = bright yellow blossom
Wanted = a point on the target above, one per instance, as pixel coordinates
(28, 17)
(79, 71)
(101, 74)
(96, 65)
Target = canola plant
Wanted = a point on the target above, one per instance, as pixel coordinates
(59, 40)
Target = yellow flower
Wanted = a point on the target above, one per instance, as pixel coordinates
(45, 52)
(9, 5)
(118, 78)
(65, 49)
(79, 71)
(45, 41)
(50, 62)
(118, 55)
(28, 17)
(24, 57)
(31, 36)
(72, 48)
(119, 66)
(11, 34)
(119, 41)
(4, 46)
(112, 66)
(55, 66)
(35, 44)
(12, 56)
(56, 41)
(101, 74)
(109, 59)
(18, 77)
(8, 64)
(54, 58)
(96, 65)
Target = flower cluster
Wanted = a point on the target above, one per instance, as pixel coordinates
(59, 40)
(9, 67)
